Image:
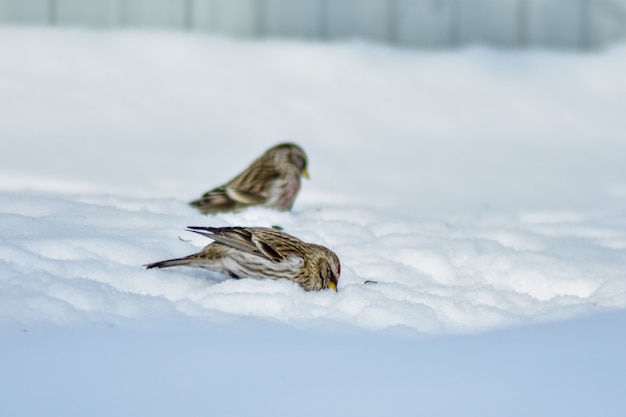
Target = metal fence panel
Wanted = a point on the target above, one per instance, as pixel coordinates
(496, 22)
(26, 11)
(204, 17)
(96, 13)
(425, 23)
(367, 19)
(422, 23)
(556, 22)
(293, 18)
(229, 17)
(153, 13)
(607, 22)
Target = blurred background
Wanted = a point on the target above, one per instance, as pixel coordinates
(572, 24)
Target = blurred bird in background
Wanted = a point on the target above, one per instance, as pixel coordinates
(272, 180)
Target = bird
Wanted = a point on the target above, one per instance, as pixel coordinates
(262, 253)
(272, 180)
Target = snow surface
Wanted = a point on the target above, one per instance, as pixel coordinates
(482, 190)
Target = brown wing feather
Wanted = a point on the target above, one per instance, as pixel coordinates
(249, 187)
(266, 243)
(254, 181)
(214, 201)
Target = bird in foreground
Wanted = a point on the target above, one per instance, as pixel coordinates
(262, 253)
(272, 180)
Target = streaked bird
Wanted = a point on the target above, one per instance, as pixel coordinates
(272, 180)
(262, 253)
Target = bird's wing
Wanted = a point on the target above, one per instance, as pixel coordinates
(245, 197)
(214, 201)
(226, 198)
(253, 185)
(243, 239)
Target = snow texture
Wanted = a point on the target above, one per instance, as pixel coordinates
(479, 189)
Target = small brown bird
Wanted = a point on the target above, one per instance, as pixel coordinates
(272, 180)
(257, 252)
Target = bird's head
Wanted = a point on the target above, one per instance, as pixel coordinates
(329, 269)
(294, 155)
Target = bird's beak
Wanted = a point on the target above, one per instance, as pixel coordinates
(332, 286)
(305, 174)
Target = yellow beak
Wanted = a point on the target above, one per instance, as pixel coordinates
(332, 286)
(305, 174)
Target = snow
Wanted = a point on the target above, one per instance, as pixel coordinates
(484, 191)
(253, 368)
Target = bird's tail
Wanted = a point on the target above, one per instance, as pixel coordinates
(168, 263)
